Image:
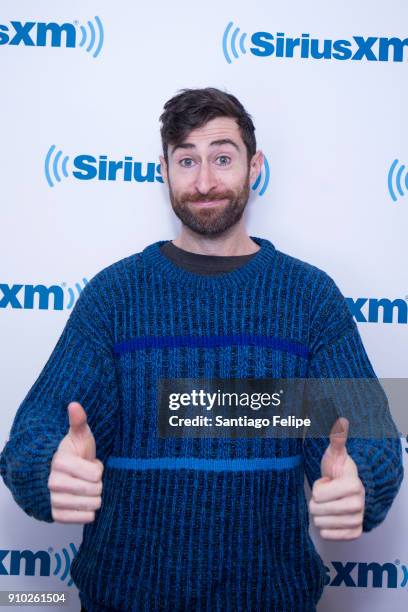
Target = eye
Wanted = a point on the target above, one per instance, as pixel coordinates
(225, 160)
(186, 159)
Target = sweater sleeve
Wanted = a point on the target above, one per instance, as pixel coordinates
(337, 351)
(80, 368)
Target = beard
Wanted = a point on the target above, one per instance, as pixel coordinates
(212, 220)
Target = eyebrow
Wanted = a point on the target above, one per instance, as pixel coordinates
(214, 143)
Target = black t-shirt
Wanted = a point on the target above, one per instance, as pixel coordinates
(203, 264)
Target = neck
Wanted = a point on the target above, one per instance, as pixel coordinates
(234, 241)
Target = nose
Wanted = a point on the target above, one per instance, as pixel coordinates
(206, 179)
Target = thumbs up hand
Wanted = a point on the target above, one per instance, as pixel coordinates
(75, 480)
(338, 497)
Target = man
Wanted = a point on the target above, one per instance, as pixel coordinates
(183, 523)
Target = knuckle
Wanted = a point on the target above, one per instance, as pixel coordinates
(356, 505)
(99, 465)
(317, 521)
(90, 505)
(84, 488)
(54, 501)
(51, 480)
(88, 489)
(316, 495)
(90, 517)
(57, 462)
(96, 473)
(359, 487)
(93, 505)
(58, 515)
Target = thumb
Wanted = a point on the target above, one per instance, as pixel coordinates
(336, 453)
(79, 439)
(77, 419)
(338, 435)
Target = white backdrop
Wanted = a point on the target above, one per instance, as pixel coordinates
(333, 193)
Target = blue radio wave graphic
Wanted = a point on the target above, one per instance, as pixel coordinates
(398, 176)
(404, 582)
(66, 566)
(93, 35)
(264, 174)
(71, 292)
(51, 167)
(233, 42)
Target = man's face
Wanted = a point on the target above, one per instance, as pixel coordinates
(209, 177)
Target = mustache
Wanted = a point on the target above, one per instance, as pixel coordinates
(208, 197)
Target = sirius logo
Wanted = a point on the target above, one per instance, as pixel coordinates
(378, 310)
(57, 166)
(22, 296)
(358, 48)
(89, 37)
(38, 563)
(358, 574)
(397, 180)
(89, 167)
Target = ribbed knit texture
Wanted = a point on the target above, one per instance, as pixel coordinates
(195, 524)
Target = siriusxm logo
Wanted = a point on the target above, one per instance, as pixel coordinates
(40, 563)
(358, 574)
(265, 44)
(397, 180)
(381, 310)
(40, 34)
(86, 167)
(101, 168)
(23, 296)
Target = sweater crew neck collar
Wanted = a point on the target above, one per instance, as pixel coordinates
(153, 257)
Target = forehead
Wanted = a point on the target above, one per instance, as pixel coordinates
(215, 129)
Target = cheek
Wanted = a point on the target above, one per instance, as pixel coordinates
(181, 181)
(236, 179)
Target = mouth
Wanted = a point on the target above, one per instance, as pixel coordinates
(205, 203)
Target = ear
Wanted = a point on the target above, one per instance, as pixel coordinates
(163, 168)
(256, 166)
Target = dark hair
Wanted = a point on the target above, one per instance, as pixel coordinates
(193, 108)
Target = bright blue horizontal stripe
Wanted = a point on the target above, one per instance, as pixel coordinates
(211, 341)
(211, 465)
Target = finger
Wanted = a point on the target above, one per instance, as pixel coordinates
(72, 516)
(77, 418)
(341, 534)
(64, 483)
(348, 505)
(78, 466)
(336, 489)
(68, 501)
(336, 521)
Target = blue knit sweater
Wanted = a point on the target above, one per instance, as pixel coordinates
(195, 524)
